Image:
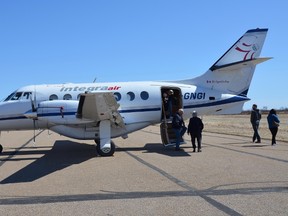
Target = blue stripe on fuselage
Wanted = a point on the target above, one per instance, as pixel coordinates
(217, 103)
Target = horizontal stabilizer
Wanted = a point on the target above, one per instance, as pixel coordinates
(239, 65)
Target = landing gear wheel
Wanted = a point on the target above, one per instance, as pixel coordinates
(1, 148)
(106, 151)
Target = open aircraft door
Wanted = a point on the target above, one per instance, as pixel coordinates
(171, 102)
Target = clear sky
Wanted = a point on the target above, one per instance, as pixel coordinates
(60, 41)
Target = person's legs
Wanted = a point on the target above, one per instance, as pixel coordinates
(199, 140)
(256, 134)
(273, 132)
(178, 138)
(193, 142)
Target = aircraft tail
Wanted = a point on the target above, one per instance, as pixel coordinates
(233, 72)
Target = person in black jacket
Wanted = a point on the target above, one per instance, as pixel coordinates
(255, 121)
(195, 128)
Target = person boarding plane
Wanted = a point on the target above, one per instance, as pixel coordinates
(102, 111)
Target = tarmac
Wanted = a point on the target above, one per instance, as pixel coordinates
(61, 176)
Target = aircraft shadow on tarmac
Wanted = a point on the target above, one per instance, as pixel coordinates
(157, 148)
(62, 155)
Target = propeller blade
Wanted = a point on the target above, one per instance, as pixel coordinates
(34, 127)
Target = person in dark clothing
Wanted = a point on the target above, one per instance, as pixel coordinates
(170, 102)
(195, 128)
(166, 105)
(273, 124)
(255, 121)
(178, 127)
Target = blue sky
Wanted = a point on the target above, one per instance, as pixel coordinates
(54, 41)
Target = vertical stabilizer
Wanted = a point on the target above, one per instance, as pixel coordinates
(232, 72)
(248, 47)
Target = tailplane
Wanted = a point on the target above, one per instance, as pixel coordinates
(232, 73)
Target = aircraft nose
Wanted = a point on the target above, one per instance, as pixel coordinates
(3, 108)
(13, 108)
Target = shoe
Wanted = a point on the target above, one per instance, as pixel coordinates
(199, 150)
(194, 150)
(258, 141)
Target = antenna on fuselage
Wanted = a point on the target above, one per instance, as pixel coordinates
(95, 80)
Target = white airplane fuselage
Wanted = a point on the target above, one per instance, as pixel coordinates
(140, 105)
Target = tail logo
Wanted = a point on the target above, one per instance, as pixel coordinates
(248, 49)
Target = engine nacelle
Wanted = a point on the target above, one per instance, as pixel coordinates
(59, 112)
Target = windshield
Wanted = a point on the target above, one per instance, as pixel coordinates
(10, 96)
(18, 95)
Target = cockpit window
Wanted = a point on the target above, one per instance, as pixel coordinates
(10, 96)
(27, 95)
(18, 95)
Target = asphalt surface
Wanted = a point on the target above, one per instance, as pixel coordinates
(62, 176)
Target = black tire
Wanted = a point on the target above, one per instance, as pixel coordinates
(97, 141)
(1, 148)
(106, 152)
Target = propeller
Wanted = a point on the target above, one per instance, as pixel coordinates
(33, 114)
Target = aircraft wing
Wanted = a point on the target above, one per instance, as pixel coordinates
(100, 106)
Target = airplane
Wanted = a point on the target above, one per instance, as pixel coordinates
(103, 111)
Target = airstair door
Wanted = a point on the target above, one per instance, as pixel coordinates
(171, 102)
(168, 136)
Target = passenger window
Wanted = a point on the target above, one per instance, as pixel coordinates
(130, 96)
(144, 95)
(53, 97)
(67, 97)
(117, 96)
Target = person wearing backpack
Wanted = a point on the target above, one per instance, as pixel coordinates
(255, 121)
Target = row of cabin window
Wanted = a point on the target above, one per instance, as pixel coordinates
(130, 95)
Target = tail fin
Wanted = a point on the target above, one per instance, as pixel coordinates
(233, 72)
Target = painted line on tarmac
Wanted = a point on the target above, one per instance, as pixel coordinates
(226, 148)
(184, 185)
(10, 156)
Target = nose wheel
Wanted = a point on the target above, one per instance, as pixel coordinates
(105, 152)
